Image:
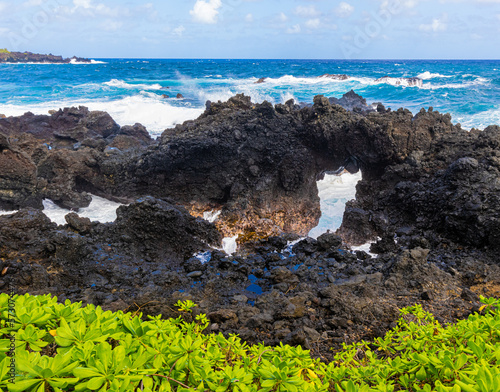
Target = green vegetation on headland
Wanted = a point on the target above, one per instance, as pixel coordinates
(4, 51)
(67, 347)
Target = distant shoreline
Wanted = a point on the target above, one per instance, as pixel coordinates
(28, 57)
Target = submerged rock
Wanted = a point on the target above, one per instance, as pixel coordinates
(406, 82)
(335, 76)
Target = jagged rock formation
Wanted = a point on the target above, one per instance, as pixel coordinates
(429, 190)
(28, 57)
(259, 164)
(54, 156)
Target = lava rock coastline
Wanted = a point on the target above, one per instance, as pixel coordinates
(428, 197)
(28, 57)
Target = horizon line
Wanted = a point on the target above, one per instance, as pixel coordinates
(282, 59)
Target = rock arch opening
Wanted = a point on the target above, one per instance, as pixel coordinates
(335, 189)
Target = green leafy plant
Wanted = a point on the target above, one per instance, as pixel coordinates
(94, 350)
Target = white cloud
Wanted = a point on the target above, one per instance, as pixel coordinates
(82, 3)
(178, 31)
(206, 11)
(31, 3)
(344, 10)
(410, 3)
(112, 25)
(88, 8)
(392, 5)
(282, 17)
(2, 6)
(249, 18)
(313, 23)
(476, 36)
(306, 12)
(4, 31)
(437, 25)
(294, 29)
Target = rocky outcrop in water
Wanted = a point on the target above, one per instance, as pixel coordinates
(335, 76)
(405, 82)
(28, 57)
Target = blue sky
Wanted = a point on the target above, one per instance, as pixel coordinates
(327, 29)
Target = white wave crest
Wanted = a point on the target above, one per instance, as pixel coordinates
(76, 62)
(72, 61)
(474, 83)
(403, 82)
(428, 75)
(479, 120)
(155, 113)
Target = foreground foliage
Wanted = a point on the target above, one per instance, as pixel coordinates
(67, 347)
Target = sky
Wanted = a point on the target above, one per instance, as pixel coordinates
(294, 29)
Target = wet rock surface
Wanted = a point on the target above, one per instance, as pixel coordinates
(430, 194)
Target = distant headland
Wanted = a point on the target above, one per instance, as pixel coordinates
(28, 57)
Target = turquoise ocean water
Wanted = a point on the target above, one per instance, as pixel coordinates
(131, 90)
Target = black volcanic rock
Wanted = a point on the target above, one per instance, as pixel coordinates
(259, 164)
(429, 191)
(18, 177)
(335, 76)
(162, 230)
(352, 102)
(28, 57)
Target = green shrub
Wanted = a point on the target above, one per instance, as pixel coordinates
(67, 347)
(4, 51)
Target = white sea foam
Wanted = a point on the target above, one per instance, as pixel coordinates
(211, 216)
(474, 83)
(229, 245)
(366, 247)
(479, 120)
(76, 62)
(204, 257)
(72, 61)
(155, 113)
(99, 210)
(7, 212)
(290, 80)
(403, 82)
(428, 75)
(131, 86)
(289, 246)
(334, 192)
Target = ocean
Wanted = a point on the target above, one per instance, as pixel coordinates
(132, 90)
